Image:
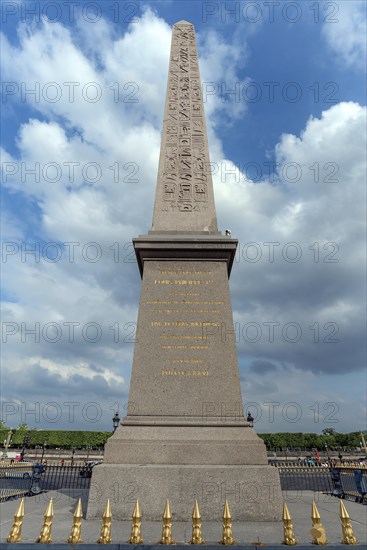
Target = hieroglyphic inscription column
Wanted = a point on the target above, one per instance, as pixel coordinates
(184, 193)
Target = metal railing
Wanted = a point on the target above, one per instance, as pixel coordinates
(62, 477)
(15, 479)
(342, 480)
(24, 478)
(305, 478)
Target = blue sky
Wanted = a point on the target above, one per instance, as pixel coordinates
(288, 152)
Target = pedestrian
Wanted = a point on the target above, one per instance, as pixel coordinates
(62, 462)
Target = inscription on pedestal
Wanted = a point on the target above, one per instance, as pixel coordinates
(185, 337)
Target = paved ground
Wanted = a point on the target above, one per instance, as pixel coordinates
(299, 504)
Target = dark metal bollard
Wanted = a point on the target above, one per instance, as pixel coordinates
(360, 485)
(37, 472)
(338, 490)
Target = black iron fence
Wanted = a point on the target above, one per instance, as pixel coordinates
(344, 481)
(305, 478)
(30, 479)
(63, 477)
(15, 480)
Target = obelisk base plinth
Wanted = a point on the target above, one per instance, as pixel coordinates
(210, 463)
(252, 491)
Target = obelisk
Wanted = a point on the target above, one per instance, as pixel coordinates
(185, 436)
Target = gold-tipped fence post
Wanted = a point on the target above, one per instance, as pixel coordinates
(227, 535)
(289, 538)
(167, 525)
(348, 535)
(45, 533)
(76, 529)
(197, 536)
(135, 537)
(15, 534)
(318, 530)
(105, 536)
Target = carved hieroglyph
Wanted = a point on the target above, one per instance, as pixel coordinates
(184, 193)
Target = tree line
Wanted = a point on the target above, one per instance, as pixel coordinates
(329, 439)
(69, 439)
(52, 439)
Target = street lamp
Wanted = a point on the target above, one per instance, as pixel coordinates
(250, 419)
(7, 443)
(25, 445)
(116, 421)
(327, 450)
(43, 450)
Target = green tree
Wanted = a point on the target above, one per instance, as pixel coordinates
(328, 431)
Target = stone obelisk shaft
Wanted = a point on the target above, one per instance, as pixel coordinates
(184, 194)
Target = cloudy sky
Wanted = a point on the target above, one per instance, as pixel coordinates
(82, 107)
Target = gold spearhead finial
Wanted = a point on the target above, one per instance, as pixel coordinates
(315, 513)
(343, 511)
(107, 512)
(196, 511)
(15, 534)
(348, 535)
(167, 511)
(289, 538)
(105, 536)
(197, 536)
(49, 512)
(226, 512)
(135, 537)
(76, 528)
(20, 510)
(318, 530)
(286, 514)
(78, 510)
(167, 525)
(227, 535)
(137, 511)
(45, 533)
